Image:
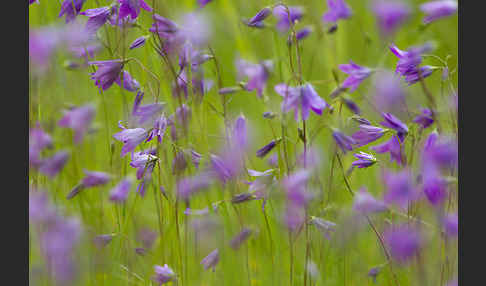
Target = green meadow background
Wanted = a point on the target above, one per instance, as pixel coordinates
(265, 258)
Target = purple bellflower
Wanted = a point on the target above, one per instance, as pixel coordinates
(344, 142)
(160, 125)
(300, 34)
(38, 140)
(240, 238)
(211, 260)
(130, 138)
(53, 165)
(262, 152)
(409, 61)
(129, 83)
(132, 8)
(280, 12)
(148, 112)
(119, 193)
(393, 146)
(404, 241)
(139, 42)
(79, 120)
(257, 20)
(356, 75)
(71, 9)
(394, 123)
(107, 73)
(399, 188)
(91, 179)
(435, 10)
(324, 226)
(390, 15)
(367, 134)
(303, 98)
(257, 74)
(425, 118)
(97, 18)
(163, 274)
(365, 203)
(338, 9)
(364, 160)
(450, 223)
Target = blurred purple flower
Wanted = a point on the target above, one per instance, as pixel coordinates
(130, 138)
(356, 75)
(257, 20)
(367, 134)
(300, 34)
(119, 193)
(53, 165)
(394, 147)
(303, 97)
(451, 224)
(240, 238)
(33, 1)
(425, 118)
(435, 10)
(414, 76)
(148, 112)
(102, 240)
(390, 15)
(241, 198)
(93, 179)
(365, 203)
(144, 162)
(38, 140)
(294, 217)
(160, 125)
(137, 101)
(404, 242)
(163, 274)
(97, 18)
(399, 188)
(344, 142)
(351, 105)
(132, 8)
(394, 123)
(211, 260)
(79, 120)
(147, 237)
(324, 226)
(338, 9)
(107, 73)
(187, 187)
(129, 83)
(434, 186)
(257, 74)
(203, 3)
(227, 166)
(179, 163)
(286, 18)
(295, 186)
(364, 160)
(389, 93)
(240, 133)
(71, 9)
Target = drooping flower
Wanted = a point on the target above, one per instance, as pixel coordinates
(344, 142)
(303, 98)
(79, 120)
(139, 42)
(144, 162)
(262, 152)
(287, 18)
(433, 185)
(107, 73)
(364, 160)
(404, 242)
(409, 61)
(393, 146)
(227, 166)
(394, 123)
(300, 34)
(53, 165)
(71, 9)
(130, 138)
(160, 125)
(240, 238)
(91, 179)
(132, 8)
(129, 83)
(257, 74)
(356, 75)
(97, 18)
(324, 226)
(211, 260)
(148, 112)
(425, 118)
(390, 15)
(421, 72)
(163, 274)
(367, 134)
(338, 9)
(119, 193)
(351, 105)
(435, 10)
(257, 20)
(38, 140)
(365, 203)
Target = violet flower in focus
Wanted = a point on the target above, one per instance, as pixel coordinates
(344, 142)
(71, 9)
(364, 160)
(129, 83)
(262, 152)
(107, 73)
(300, 34)
(132, 8)
(435, 10)
(79, 120)
(138, 42)
(97, 18)
(160, 125)
(303, 98)
(257, 20)
(130, 138)
(367, 134)
(394, 123)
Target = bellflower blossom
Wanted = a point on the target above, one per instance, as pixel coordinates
(364, 160)
(393, 146)
(53, 165)
(91, 179)
(38, 140)
(240, 238)
(119, 193)
(107, 73)
(390, 15)
(303, 98)
(356, 75)
(148, 112)
(367, 134)
(435, 10)
(71, 9)
(338, 9)
(130, 138)
(425, 118)
(163, 274)
(262, 152)
(394, 123)
(399, 188)
(211, 260)
(129, 83)
(450, 223)
(404, 241)
(257, 20)
(97, 18)
(344, 142)
(324, 226)
(257, 74)
(144, 162)
(79, 120)
(138, 42)
(132, 8)
(300, 34)
(409, 61)
(280, 12)
(160, 125)
(365, 203)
